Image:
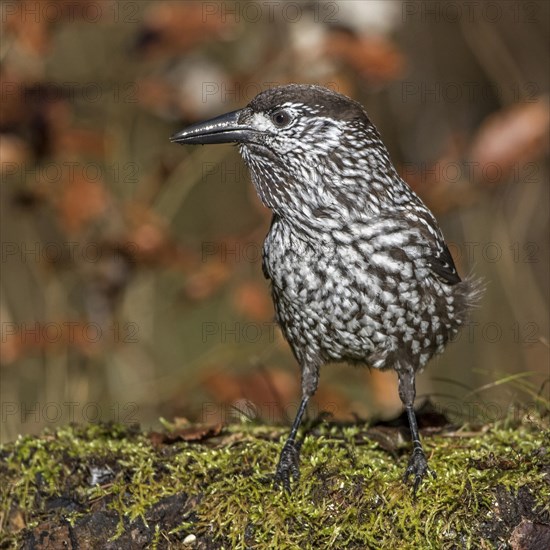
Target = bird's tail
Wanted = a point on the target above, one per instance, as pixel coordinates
(469, 293)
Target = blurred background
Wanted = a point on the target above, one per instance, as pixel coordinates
(131, 268)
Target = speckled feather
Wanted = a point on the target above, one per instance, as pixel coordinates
(359, 269)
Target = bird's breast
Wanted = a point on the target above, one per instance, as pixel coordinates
(354, 300)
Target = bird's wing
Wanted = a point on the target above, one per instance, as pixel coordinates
(422, 230)
(437, 253)
(442, 265)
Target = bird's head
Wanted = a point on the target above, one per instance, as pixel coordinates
(312, 152)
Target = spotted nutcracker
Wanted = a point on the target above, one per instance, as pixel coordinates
(359, 268)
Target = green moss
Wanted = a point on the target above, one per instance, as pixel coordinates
(350, 494)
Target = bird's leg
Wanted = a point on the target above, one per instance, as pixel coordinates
(418, 464)
(289, 461)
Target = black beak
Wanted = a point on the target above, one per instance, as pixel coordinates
(222, 129)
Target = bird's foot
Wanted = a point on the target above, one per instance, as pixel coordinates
(418, 467)
(289, 465)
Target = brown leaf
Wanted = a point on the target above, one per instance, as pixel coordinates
(383, 388)
(149, 239)
(52, 337)
(263, 392)
(81, 202)
(156, 94)
(224, 386)
(510, 138)
(15, 104)
(207, 280)
(192, 433)
(493, 462)
(32, 22)
(13, 152)
(16, 521)
(251, 299)
(375, 58)
(31, 31)
(181, 26)
(389, 438)
(10, 346)
(332, 400)
(529, 535)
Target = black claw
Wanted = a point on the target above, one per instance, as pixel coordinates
(418, 467)
(289, 466)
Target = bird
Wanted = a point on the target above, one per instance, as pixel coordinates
(359, 269)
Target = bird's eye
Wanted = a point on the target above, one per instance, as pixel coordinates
(281, 118)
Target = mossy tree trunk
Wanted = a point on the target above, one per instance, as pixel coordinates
(111, 486)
